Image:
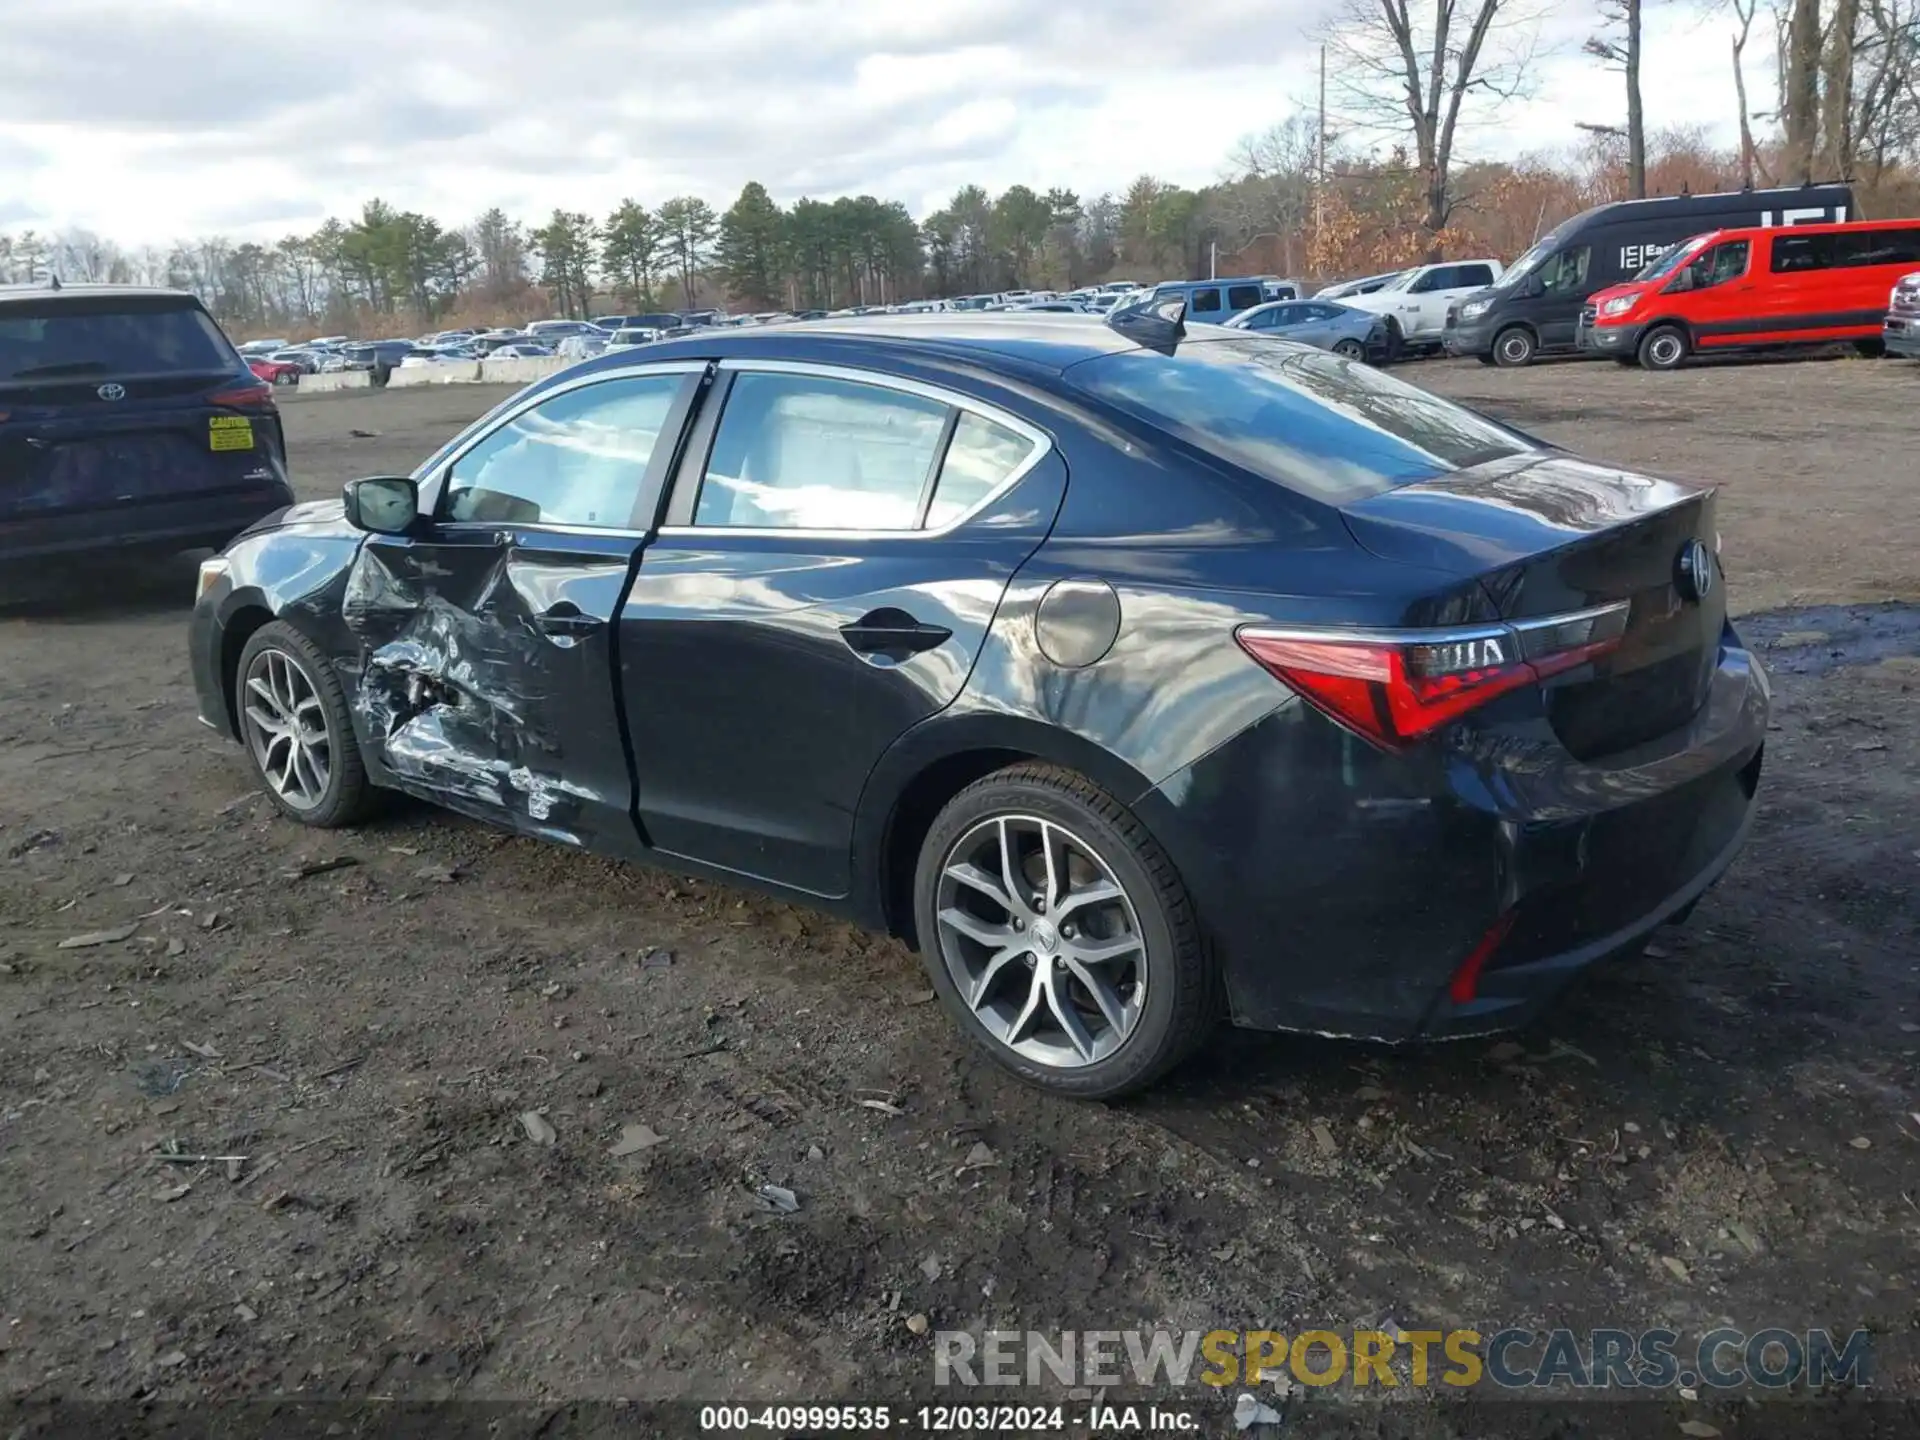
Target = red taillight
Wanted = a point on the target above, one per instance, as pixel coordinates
(258, 395)
(1396, 689)
(1466, 980)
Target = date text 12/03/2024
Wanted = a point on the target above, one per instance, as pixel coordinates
(948, 1419)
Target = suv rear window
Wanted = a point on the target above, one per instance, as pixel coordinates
(1325, 427)
(115, 336)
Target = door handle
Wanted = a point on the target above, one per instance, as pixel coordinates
(892, 633)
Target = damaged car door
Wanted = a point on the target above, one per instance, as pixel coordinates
(487, 643)
(834, 549)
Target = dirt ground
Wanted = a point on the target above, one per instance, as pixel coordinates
(1723, 1133)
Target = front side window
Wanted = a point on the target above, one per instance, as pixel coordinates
(1566, 273)
(818, 453)
(576, 459)
(1725, 261)
(1427, 283)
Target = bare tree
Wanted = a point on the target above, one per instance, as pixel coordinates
(1410, 67)
(1836, 90)
(1800, 88)
(1744, 11)
(1885, 87)
(1621, 46)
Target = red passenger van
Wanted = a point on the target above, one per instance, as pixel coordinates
(1752, 289)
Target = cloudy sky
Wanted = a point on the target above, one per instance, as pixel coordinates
(158, 119)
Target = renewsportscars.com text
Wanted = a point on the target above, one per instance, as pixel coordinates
(1512, 1359)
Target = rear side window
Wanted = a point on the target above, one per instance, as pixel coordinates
(1481, 275)
(1321, 426)
(108, 336)
(1878, 247)
(813, 453)
(980, 459)
(1795, 253)
(1205, 302)
(1243, 297)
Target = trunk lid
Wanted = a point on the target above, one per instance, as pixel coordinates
(1550, 535)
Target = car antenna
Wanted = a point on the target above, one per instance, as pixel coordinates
(53, 281)
(1154, 327)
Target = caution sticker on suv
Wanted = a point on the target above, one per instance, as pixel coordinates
(230, 432)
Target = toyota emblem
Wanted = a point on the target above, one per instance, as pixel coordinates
(1695, 576)
(111, 391)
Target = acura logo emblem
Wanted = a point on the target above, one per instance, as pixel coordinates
(1695, 578)
(111, 391)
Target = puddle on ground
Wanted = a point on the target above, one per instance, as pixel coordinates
(1813, 639)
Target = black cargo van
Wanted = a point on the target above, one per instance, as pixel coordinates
(1534, 309)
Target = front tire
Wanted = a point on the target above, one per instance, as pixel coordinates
(1514, 348)
(1665, 347)
(297, 731)
(1059, 936)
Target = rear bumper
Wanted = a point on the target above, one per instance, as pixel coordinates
(147, 525)
(1902, 335)
(1344, 887)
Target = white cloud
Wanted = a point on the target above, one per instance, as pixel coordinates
(183, 117)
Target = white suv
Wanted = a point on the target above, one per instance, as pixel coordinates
(1416, 300)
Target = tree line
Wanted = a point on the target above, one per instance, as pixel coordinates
(1370, 177)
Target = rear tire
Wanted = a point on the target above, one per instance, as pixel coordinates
(1514, 348)
(1067, 1004)
(1665, 347)
(1350, 350)
(297, 731)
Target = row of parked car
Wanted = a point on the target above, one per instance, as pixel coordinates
(1646, 282)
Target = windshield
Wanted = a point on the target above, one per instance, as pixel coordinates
(1520, 268)
(1329, 428)
(1665, 264)
(127, 335)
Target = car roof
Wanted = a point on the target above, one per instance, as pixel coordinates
(1027, 340)
(42, 293)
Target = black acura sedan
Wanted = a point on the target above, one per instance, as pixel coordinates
(1134, 675)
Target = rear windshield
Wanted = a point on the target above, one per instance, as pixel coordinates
(82, 338)
(1330, 428)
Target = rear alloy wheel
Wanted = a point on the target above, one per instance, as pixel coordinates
(1350, 350)
(285, 377)
(1513, 347)
(1059, 936)
(293, 719)
(1664, 348)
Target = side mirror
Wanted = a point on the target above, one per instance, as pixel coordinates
(1536, 287)
(384, 504)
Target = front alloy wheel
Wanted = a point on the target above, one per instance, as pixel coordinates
(293, 719)
(1059, 936)
(287, 729)
(1041, 942)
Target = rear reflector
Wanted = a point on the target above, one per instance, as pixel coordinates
(1395, 688)
(245, 396)
(1465, 984)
